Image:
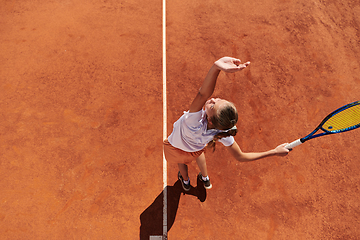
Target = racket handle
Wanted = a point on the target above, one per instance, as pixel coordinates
(293, 144)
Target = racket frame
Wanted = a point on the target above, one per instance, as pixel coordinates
(325, 131)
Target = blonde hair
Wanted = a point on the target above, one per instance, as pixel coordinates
(225, 119)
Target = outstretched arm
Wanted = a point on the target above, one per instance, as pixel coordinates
(226, 64)
(246, 157)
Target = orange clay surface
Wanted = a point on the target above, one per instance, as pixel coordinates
(81, 118)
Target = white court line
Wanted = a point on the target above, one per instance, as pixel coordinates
(164, 123)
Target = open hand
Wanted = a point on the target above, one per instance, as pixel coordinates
(229, 64)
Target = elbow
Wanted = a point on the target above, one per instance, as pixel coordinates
(240, 158)
(245, 157)
(203, 95)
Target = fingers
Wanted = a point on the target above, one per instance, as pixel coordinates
(283, 145)
(244, 65)
(282, 149)
(237, 62)
(241, 66)
(229, 64)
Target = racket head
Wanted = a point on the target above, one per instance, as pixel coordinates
(343, 119)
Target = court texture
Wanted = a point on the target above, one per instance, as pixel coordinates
(83, 117)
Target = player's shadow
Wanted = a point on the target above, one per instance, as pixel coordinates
(152, 218)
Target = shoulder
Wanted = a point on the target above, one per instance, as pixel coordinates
(198, 114)
(193, 119)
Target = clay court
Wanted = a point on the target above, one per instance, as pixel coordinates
(81, 118)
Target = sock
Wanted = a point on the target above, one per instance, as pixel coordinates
(187, 182)
(205, 178)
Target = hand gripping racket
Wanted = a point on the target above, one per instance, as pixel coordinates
(343, 119)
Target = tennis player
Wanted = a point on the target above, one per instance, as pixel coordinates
(206, 122)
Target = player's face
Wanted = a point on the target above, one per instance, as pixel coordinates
(213, 105)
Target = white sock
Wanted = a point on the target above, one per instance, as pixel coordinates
(205, 178)
(187, 181)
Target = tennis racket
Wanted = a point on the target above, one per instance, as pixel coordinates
(343, 119)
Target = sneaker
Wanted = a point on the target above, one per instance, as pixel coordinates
(186, 187)
(207, 184)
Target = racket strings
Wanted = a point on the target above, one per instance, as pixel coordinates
(348, 118)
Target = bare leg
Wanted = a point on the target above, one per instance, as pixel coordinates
(201, 162)
(183, 171)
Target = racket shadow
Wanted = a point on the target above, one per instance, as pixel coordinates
(151, 218)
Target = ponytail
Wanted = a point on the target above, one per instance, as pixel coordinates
(230, 132)
(226, 118)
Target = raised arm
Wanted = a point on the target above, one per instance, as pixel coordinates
(252, 156)
(226, 64)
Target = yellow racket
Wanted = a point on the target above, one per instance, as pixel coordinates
(343, 119)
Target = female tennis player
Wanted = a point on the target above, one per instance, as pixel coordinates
(206, 122)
